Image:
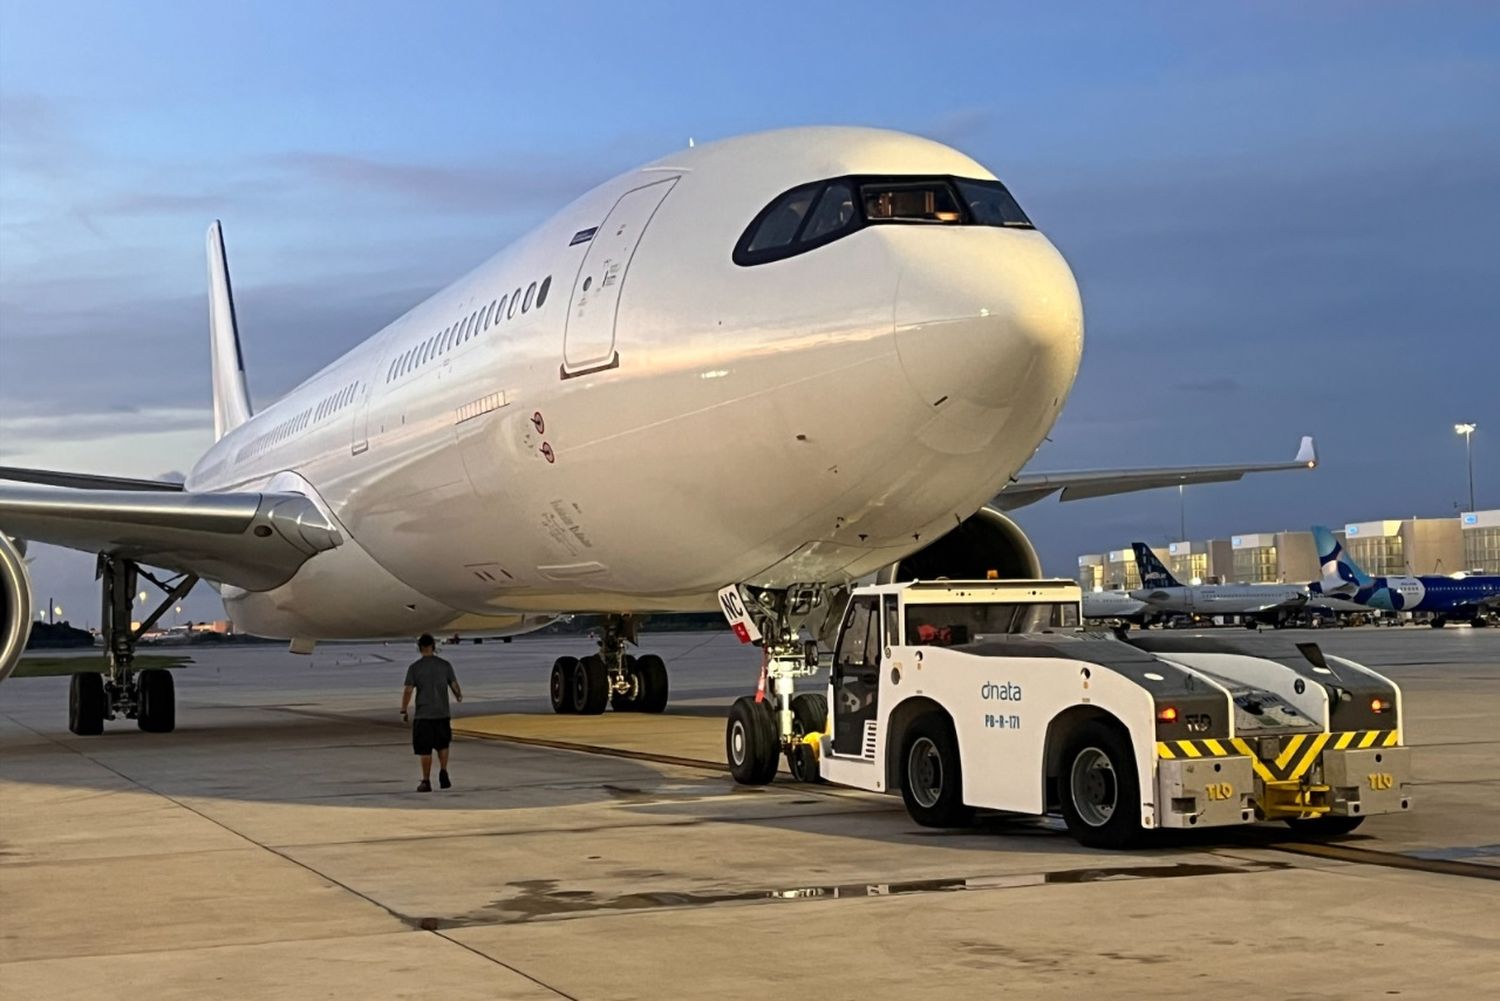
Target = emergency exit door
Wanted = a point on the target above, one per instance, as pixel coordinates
(589, 341)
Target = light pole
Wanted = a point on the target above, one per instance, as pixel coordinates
(1467, 430)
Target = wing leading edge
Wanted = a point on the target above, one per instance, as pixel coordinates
(256, 541)
(1028, 488)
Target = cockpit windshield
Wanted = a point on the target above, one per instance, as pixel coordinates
(811, 215)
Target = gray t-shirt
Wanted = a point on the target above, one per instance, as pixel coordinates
(431, 676)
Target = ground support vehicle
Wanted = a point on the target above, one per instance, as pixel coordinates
(987, 694)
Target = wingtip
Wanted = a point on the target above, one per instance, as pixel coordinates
(1307, 452)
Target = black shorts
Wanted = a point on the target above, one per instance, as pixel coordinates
(428, 735)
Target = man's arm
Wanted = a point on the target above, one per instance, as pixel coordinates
(453, 684)
(406, 698)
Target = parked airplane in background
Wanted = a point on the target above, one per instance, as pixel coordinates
(784, 361)
(1458, 597)
(1116, 605)
(1258, 602)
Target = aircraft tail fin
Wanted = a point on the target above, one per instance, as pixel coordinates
(231, 397)
(1340, 572)
(1153, 572)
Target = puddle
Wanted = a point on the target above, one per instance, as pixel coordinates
(541, 898)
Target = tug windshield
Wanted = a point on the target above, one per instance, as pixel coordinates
(956, 625)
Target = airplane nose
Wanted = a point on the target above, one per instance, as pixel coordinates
(988, 322)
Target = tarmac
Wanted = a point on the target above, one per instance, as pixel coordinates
(274, 847)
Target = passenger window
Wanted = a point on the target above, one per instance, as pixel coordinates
(500, 312)
(515, 300)
(530, 293)
(541, 293)
(488, 314)
(778, 225)
(835, 210)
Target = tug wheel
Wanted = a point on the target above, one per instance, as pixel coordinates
(932, 775)
(1098, 787)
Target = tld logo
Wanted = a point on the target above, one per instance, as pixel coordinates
(1003, 691)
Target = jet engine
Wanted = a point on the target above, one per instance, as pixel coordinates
(15, 603)
(986, 541)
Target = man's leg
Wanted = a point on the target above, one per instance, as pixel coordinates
(442, 752)
(427, 765)
(443, 758)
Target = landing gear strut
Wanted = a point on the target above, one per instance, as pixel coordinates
(611, 676)
(788, 626)
(147, 696)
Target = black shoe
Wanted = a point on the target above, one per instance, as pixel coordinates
(424, 786)
(443, 781)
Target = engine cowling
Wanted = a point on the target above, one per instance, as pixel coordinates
(15, 603)
(986, 541)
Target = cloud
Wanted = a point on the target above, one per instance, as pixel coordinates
(495, 187)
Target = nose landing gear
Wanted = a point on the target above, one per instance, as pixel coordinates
(147, 696)
(787, 625)
(611, 676)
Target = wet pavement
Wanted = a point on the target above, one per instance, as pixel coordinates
(273, 847)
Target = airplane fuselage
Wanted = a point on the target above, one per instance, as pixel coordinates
(1222, 599)
(654, 420)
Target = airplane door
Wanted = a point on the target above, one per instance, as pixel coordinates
(589, 342)
(359, 435)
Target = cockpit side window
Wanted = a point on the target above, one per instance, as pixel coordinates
(990, 204)
(811, 215)
(778, 224)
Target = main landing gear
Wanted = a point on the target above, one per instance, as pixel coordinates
(145, 696)
(777, 720)
(610, 677)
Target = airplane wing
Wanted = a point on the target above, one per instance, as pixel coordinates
(252, 540)
(1028, 488)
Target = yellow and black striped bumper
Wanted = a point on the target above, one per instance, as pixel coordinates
(1288, 786)
(1295, 753)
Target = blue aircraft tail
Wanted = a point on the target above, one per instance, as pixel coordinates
(1153, 573)
(1340, 572)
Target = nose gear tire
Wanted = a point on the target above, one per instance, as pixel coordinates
(750, 742)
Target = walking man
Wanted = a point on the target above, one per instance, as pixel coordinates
(430, 677)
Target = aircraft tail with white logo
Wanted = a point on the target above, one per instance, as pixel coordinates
(1340, 573)
(1153, 572)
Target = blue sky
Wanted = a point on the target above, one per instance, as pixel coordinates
(1283, 217)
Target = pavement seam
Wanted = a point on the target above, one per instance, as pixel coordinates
(501, 963)
(404, 919)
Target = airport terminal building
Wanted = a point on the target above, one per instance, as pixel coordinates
(1469, 542)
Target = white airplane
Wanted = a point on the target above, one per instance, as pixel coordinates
(1162, 592)
(786, 361)
(1115, 605)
